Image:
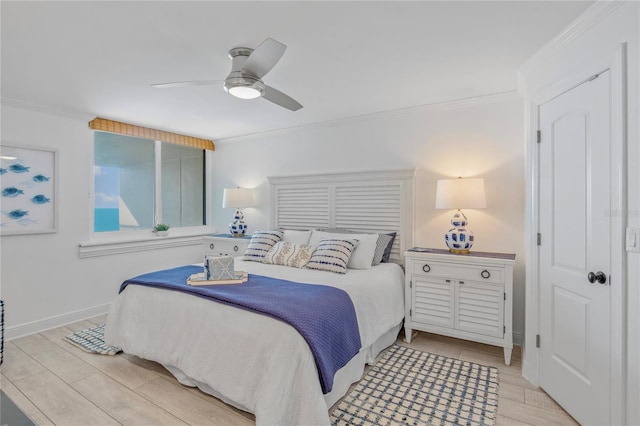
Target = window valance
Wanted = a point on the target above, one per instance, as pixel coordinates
(105, 125)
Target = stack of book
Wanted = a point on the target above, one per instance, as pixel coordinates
(201, 279)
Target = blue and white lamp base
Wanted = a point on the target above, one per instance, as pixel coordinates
(238, 227)
(459, 239)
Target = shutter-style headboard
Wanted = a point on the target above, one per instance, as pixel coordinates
(375, 201)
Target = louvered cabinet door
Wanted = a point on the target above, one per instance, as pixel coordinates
(479, 308)
(432, 301)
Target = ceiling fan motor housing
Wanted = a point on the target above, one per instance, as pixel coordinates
(242, 84)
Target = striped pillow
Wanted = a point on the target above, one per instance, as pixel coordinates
(332, 255)
(260, 244)
(381, 247)
(289, 254)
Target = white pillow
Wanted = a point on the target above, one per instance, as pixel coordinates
(296, 237)
(362, 256)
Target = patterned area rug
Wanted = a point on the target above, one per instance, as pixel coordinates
(92, 340)
(410, 387)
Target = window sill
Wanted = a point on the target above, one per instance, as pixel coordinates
(122, 245)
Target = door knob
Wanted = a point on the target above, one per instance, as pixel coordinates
(598, 276)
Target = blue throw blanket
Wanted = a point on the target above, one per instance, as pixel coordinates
(323, 315)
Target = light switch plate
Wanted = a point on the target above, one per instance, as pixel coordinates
(633, 240)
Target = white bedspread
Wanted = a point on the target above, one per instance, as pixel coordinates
(251, 361)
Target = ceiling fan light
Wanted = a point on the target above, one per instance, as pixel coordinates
(244, 87)
(245, 92)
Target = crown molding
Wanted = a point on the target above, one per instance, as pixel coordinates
(579, 27)
(396, 113)
(47, 109)
(390, 114)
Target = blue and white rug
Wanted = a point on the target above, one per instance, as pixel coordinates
(92, 340)
(411, 387)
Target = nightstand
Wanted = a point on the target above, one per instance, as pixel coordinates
(467, 296)
(225, 245)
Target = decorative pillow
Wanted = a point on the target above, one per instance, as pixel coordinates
(332, 255)
(381, 246)
(387, 251)
(289, 254)
(296, 237)
(362, 256)
(260, 244)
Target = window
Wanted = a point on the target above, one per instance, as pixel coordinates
(141, 182)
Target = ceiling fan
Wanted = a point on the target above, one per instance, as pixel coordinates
(248, 66)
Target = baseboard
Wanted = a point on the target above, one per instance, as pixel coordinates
(56, 321)
(517, 338)
(529, 373)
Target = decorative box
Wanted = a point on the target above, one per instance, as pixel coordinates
(219, 268)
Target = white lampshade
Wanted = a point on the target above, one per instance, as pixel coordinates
(460, 194)
(237, 198)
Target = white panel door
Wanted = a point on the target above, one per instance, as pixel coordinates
(575, 245)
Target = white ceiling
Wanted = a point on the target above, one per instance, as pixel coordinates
(344, 59)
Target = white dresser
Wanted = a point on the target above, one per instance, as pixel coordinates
(225, 245)
(465, 296)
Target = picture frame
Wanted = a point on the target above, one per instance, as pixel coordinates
(28, 190)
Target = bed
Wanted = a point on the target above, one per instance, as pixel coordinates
(257, 363)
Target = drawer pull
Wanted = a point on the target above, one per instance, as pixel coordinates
(448, 281)
(426, 268)
(211, 246)
(461, 282)
(485, 274)
(235, 248)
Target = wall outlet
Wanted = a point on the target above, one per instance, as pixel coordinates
(633, 240)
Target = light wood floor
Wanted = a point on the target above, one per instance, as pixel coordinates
(54, 382)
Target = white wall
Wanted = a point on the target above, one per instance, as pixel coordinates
(43, 281)
(479, 138)
(596, 35)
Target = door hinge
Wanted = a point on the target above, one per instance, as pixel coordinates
(537, 340)
(538, 136)
(410, 284)
(504, 295)
(539, 239)
(504, 329)
(410, 313)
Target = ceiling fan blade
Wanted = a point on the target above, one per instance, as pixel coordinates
(279, 98)
(264, 57)
(186, 83)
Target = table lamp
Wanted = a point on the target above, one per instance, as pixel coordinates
(237, 197)
(460, 194)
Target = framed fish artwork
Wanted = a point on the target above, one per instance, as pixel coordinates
(28, 186)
